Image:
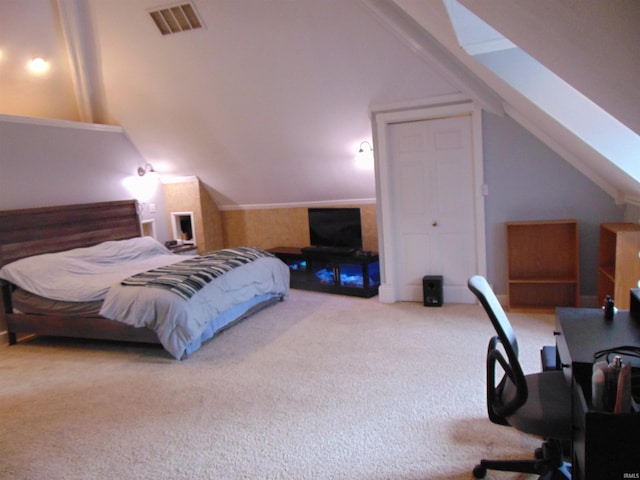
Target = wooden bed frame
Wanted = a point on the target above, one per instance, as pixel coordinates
(28, 232)
(34, 231)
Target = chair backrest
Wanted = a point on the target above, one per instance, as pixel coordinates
(500, 403)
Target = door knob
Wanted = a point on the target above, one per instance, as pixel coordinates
(434, 223)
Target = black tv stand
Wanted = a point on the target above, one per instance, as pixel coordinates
(355, 273)
(316, 249)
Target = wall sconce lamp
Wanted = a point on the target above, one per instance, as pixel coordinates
(364, 157)
(148, 168)
(142, 186)
(38, 65)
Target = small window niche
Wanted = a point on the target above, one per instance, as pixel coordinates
(148, 228)
(183, 227)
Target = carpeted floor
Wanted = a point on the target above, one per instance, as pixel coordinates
(318, 387)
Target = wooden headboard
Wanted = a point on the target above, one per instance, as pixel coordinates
(33, 231)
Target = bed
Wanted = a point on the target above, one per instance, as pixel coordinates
(129, 292)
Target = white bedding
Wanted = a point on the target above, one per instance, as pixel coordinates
(86, 274)
(179, 322)
(95, 273)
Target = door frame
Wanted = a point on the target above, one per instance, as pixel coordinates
(386, 238)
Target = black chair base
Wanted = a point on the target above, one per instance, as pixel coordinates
(524, 466)
(549, 464)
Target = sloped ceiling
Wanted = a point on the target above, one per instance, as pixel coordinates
(268, 103)
(594, 46)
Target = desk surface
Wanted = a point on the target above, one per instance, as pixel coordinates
(586, 332)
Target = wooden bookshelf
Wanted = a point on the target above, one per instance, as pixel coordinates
(543, 265)
(618, 262)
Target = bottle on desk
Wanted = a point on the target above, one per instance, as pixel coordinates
(609, 308)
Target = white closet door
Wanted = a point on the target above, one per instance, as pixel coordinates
(431, 170)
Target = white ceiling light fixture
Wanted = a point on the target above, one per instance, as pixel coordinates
(364, 157)
(177, 18)
(38, 65)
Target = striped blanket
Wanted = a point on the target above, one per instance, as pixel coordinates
(187, 277)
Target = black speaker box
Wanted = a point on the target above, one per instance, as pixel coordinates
(432, 290)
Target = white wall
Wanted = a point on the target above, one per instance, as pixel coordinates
(51, 162)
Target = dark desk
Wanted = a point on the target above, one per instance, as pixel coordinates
(605, 446)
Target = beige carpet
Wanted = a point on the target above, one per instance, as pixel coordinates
(318, 387)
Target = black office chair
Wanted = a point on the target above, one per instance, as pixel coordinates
(538, 404)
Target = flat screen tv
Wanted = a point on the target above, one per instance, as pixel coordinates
(335, 227)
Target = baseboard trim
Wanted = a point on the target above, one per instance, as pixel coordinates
(386, 293)
(503, 299)
(327, 203)
(586, 301)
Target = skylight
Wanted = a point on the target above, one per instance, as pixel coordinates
(557, 98)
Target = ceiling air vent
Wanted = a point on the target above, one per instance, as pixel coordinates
(177, 18)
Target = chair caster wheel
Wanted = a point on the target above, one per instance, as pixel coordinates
(479, 471)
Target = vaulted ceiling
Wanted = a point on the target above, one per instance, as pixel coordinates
(563, 69)
(268, 102)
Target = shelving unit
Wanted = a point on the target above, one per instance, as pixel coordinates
(618, 262)
(543, 265)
